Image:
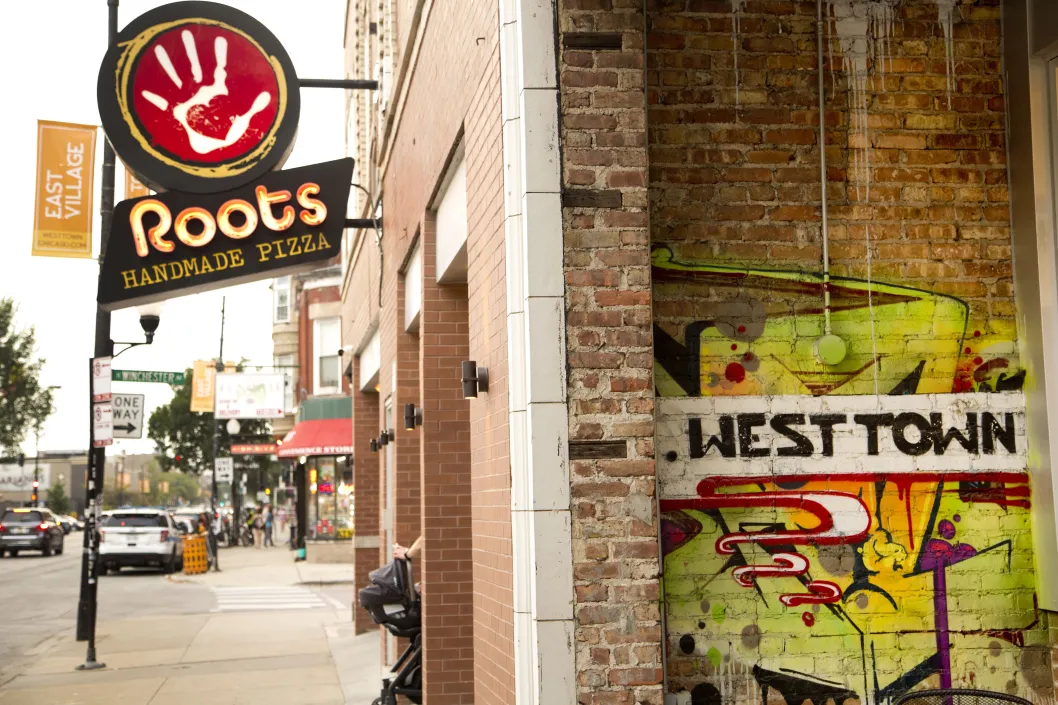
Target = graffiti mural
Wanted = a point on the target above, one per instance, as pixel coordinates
(903, 581)
(840, 533)
(729, 331)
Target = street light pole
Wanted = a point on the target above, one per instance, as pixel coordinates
(86, 605)
(213, 491)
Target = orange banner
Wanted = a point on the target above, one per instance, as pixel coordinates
(202, 386)
(133, 187)
(62, 221)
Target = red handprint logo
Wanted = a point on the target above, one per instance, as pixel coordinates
(205, 93)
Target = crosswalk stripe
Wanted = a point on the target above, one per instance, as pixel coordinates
(265, 597)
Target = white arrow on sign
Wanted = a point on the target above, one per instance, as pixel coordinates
(128, 415)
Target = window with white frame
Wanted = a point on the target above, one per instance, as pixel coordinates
(284, 365)
(281, 300)
(326, 341)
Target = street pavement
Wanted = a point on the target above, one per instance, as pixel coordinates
(263, 630)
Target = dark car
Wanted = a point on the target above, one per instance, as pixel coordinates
(31, 530)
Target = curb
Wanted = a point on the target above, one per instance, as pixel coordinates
(326, 582)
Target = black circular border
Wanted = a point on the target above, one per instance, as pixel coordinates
(156, 174)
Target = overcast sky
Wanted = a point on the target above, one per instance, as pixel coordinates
(51, 60)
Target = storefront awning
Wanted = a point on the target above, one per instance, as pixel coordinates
(319, 437)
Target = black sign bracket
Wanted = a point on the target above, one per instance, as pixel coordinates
(349, 84)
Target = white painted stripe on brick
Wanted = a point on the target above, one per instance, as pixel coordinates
(851, 453)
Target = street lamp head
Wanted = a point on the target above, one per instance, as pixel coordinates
(233, 426)
(150, 317)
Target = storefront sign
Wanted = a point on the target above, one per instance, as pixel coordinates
(177, 243)
(198, 97)
(20, 479)
(62, 222)
(202, 380)
(253, 449)
(133, 187)
(759, 436)
(249, 396)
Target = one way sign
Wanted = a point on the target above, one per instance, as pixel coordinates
(128, 415)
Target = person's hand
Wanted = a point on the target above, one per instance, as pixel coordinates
(400, 552)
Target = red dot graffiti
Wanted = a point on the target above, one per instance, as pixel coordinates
(735, 372)
(808, 618)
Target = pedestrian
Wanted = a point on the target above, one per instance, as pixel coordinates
(268, 520)
(258, 530)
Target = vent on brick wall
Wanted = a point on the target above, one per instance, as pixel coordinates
(603, 41)
(591, 198)
(588, 450)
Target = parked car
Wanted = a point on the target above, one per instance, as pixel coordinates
(30, 529)
(67, 523)
(78, 525)
(140, 537)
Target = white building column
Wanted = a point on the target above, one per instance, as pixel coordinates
(540, 484)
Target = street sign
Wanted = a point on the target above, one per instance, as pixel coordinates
(101, 379)
(151, 376)
(253, 448)
(225, 469)
(102, 424)
(128, 415)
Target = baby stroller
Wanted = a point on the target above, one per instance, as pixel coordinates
(393, 602)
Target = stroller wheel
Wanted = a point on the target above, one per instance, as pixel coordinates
(376, 701)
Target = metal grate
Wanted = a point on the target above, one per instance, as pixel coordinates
(958, 696)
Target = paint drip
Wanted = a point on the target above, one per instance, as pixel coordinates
(736, 31)
(946, 19)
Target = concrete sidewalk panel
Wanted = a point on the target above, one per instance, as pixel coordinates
(130, 692)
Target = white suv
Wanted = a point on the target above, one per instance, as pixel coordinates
(140, 537)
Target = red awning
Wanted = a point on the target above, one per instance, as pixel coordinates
(319, 437)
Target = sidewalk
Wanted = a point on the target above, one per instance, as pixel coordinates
(297, 657)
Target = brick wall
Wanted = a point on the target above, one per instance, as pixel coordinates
(917, 179)
(490, 451)
(367, 519)
(445, 568)
(918, 291)
(615, 550)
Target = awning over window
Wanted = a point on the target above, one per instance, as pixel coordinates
(319, 437)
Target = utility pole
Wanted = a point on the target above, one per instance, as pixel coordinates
(213, 491)
(86, 605)
(36, 469)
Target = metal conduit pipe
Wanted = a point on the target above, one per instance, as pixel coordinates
(830, 349)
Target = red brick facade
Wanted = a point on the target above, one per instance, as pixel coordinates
(453, 472)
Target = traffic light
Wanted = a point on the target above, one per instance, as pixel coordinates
(33, 496)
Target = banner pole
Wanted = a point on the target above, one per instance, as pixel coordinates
(104, 347)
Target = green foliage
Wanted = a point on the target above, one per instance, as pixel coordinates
(24, 404)
(58, 502)
(178, 433)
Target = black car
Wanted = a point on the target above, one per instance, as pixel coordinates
(30, 529)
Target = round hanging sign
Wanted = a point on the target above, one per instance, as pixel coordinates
(198, 97)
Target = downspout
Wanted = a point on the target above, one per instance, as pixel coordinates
(829, 349)
(823, 167)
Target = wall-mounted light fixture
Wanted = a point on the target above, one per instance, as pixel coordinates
(383, 438)
(373, 445)
(412, 417)
(475, 379)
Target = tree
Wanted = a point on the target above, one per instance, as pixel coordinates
(183, 440)
(24, 404)
(58, 502)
